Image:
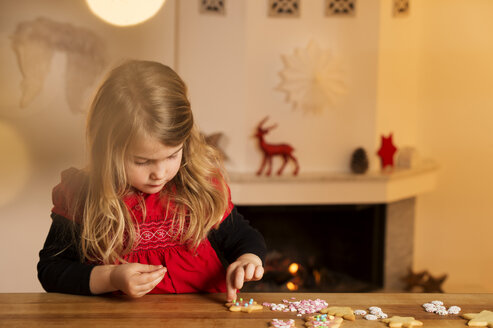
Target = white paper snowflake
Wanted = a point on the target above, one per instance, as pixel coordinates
(312, 78)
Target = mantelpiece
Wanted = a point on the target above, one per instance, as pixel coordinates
(333, 188)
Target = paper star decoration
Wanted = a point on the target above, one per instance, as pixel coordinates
(387, 151)
(407, 322)
(482, 319)
(312, 78)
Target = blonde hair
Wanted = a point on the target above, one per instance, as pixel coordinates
(143, 97)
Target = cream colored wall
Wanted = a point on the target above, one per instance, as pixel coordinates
(38, 142)
(434, 93)
(232, 65)
(454, 223)
(212, 62)
(399, 68)
(324, 142)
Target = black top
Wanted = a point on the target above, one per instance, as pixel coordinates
(61, 267)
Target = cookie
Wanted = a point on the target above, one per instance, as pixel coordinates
(407, 322)
(340, 311)
(278, 323)
(244, 306)
(481, 319)
(323, 321)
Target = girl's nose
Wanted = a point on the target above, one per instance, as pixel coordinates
(158, 172)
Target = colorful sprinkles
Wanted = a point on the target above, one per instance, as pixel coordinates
(278, 323)
(302, 306)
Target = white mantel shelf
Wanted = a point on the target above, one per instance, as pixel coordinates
(333, 188)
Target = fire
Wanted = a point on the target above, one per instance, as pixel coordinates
(293, 268)
(291, 286)
(317, 276)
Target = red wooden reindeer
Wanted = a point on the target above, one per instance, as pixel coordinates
(271, 150)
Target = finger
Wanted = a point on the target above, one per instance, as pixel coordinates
(146, 277)
(249, 271)
(230, 289)
(230, 293)
(259, 273)
(149, 268)
(146, 288)
(239, 278)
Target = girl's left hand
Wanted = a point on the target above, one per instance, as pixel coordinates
(247, 267)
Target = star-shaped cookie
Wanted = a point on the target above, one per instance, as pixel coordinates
(407, 322)
(340, 311)
(323, 321)
(244, 306)
(481, 319)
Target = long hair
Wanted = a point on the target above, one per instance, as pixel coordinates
(146, 98)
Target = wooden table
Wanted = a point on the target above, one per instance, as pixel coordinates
(208, 310)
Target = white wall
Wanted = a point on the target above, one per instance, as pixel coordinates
(212, 62)
(232, 65)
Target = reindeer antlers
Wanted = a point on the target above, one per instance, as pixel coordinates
(260, 125)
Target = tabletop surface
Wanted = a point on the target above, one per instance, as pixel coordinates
(209, 310)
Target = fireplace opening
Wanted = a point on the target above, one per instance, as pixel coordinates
(320, 248)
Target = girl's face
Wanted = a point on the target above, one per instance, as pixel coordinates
(150, 164)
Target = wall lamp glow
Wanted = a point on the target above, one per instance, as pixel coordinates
(124, 12)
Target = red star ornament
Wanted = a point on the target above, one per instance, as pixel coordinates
(387, 151)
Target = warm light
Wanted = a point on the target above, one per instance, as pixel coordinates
(293, 268)
(291, 286)
(317, 276)
(124, 12)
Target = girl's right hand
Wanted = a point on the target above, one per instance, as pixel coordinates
(135, 279)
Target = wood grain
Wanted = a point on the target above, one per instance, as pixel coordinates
(208, 310)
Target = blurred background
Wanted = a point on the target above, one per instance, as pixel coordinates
(420, 70)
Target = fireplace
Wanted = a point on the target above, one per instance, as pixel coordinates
(320, 248)
(345, 232)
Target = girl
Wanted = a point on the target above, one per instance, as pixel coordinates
(151, 213)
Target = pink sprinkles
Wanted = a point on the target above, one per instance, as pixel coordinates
(277, 323)
(302, 307)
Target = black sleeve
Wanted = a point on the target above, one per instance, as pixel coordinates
(60, 268)
(235, 237)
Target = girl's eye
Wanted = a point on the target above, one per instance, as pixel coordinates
(173, 156)
(142, 163)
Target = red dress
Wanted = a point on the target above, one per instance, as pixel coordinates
(188, 271)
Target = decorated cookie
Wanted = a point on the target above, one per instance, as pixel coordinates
(340, 311)
(481, 319)
(244, 306)
(407, 322)
(323, 321)
(278, 323)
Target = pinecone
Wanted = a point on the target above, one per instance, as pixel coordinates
(359, 161)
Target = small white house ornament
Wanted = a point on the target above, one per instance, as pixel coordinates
(312, 78)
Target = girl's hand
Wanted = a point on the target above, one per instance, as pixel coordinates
(135, 279)
(247, 267)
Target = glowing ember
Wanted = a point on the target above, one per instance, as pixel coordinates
(293, 268)
(291, 286)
